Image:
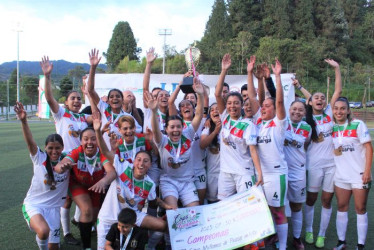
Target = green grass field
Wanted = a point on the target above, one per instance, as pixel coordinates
(15, 178)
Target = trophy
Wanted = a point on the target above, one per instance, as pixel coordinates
(192, 57)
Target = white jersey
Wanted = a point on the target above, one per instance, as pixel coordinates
(212, 156)
(321, 154)
(107, 115)
(176, 162)
(198, 153)
(350, 165)
(235, 139)
(124, 193)
(40, 193)
(69, 125)
(270, 143)
(296, 136)
(161, 117)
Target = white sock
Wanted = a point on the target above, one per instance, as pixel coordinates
(77, 213)
(154, 239)
(297, 223)
(325, 220)
(309, 214)
(65, 220)
(362, 227)
(282, 231)
(43, 244)
(341, 224)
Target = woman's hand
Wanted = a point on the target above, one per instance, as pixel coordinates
(99, 187)
(277, 68)
(260, 180)
(150, 101)
(96, 121)
(46, 66)
(94, 57)
(20, 111)
(151, 55)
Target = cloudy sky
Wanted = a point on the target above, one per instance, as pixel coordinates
(68, 29)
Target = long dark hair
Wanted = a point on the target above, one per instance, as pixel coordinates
(345, 100)
(214, 142)
(309, 119)
(48, 166)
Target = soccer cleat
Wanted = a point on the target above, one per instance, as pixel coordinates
(360, 247)
(341, 245)
(297, 244)
(320, 242)
(309, 237)
(70, 240)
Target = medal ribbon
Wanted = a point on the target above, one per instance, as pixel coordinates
(124, 244)
(294, 131)
(77, 121)
(133, 148)
(341, 133)
(90, 167)
(177, 154)
(318, 123)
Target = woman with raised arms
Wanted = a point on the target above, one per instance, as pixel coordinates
(69, 124)
(111, 110)
(238, 151)
(90, 174)
(187, 112)
(176, 180)
(272, 126)
(353, 155)
(48, 190)
(320, 161)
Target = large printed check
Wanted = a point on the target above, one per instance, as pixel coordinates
(234, 222)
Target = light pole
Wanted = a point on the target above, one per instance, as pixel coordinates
(18, 30)
(164, 32)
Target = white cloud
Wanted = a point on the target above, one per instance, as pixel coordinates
(70, 35)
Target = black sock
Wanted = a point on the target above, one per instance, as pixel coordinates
(85, 231)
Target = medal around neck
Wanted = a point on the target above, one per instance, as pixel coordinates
(192, 58)
(338, 151)
(320, 137)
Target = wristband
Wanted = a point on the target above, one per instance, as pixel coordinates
(300, 87)
(206, 110)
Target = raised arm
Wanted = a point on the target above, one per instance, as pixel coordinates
(172, 108)
(102, 145)
(199, 90)
(338, 81)
(152, 104)
(279, 101)
(150, 57)
(298, 86)
(250, 86)
(94, 61)
(226, 64)
(22, 115)
(47, 69)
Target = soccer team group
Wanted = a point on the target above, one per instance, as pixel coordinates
(122, 165)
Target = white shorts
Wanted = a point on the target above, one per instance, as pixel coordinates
(296, 192)
(275, 189)
(50, 215)
(212, 187)
(185, 191)
(154, 173)
(229, 184)
(350, 186)
(323, 177)
(200, 178)
(102, 230)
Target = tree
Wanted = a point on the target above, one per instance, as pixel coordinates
(121, 44)
(218, 28)
(30, 84)
(303, 20)
(65, 85)
(76, 74)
